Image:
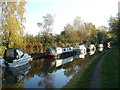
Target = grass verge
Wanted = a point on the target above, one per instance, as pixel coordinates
(110, 70)
(82, 78)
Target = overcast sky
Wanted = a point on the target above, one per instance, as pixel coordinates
(97, 12)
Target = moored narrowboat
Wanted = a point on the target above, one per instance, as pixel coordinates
(91, 49)
(54, 51)
(100, 47)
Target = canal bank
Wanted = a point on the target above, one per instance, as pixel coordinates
(83, 78)
(110, 68)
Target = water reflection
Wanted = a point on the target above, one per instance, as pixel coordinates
(81, 55)
(15, 75)
(59, 62)
(44, 73)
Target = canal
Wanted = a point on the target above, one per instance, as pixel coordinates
(43, 73)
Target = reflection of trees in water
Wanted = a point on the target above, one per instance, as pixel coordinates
(69, 69)
(72, 67)
(14, 77)
(11, 80)
(46, 80)
(16, 85)
(41, 68)
(36, 67)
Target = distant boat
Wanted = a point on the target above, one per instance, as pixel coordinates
(91, 49)
(81, 49)
(108, 44)
(13, 57)
(100, 47)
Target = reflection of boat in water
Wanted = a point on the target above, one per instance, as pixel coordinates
(81, 55)
(59, 62)
(14, 57)
(14, 75)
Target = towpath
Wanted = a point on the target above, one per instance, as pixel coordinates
(96, 76)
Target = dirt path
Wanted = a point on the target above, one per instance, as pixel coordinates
(95, 79)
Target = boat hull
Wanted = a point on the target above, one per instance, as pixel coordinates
(19, 62)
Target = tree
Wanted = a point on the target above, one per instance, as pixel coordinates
(68, 32)
(103, 34)
(89, 32)
(46, 29)
(46, 25)
(12, 23)
(114, 25)
(77, 23)
(79, 32)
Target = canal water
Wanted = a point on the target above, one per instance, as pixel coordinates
(43, 73)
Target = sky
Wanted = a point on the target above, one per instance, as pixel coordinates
(97, 12)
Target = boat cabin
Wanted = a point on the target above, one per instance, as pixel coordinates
(53, 51)
(12, 54)
(65, 49)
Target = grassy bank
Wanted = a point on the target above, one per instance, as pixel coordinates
(82, 78)
(110, 70)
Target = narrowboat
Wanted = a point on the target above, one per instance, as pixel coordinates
(100, 47)
(81, 49)
(108, 44)
(13, 57)
(91, 49)
(54, 51)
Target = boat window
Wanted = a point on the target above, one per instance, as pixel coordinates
(53, 50)
(10, 53)
(64, 49)
(20, 53)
